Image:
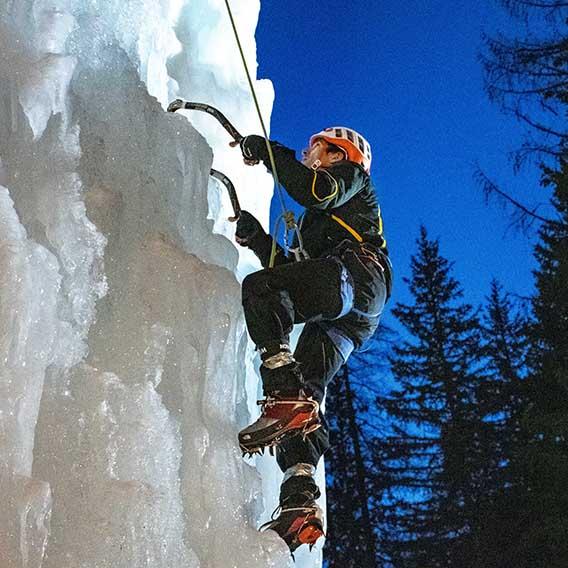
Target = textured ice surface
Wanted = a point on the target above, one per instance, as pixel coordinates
(125, 370)
(24, 521)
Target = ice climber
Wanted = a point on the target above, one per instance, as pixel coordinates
(339, 293)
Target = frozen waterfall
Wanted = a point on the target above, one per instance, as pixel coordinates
(125, 369)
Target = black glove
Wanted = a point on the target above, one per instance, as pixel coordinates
(253, 148)
(248, 227)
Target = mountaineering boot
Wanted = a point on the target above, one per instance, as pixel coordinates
(298, 519)
(280, 418)
(286, 410)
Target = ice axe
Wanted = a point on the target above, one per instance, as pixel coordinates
(180, 104)
(232, 192)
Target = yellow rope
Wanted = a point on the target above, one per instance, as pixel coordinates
(288, 215)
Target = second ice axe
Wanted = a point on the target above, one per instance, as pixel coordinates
(180, 104)
(232, 192)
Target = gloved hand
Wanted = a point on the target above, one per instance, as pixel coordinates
(253, 148)
(248, 227)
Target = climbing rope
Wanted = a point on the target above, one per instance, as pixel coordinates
(287, 216)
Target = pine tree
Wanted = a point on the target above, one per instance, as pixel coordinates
(500, 398)
(431, 460)
(351, 540)
(502, 389)
(543, 466)
(354, 490)
(530, 77)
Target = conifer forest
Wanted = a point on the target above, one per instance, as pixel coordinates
(451, 431)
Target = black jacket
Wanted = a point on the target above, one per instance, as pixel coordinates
(340, 204)
(343, 220)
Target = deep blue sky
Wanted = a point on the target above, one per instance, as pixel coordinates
(407, 76)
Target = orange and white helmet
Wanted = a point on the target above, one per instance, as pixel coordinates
(358, 150)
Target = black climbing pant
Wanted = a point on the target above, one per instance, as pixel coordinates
(339, 299)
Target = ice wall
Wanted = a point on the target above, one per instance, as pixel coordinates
(125, 371)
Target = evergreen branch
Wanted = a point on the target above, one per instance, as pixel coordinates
(540, 127)
(490, 188)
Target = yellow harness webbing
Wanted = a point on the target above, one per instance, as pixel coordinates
(348, 228)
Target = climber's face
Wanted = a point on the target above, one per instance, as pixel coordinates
(319, 154)
(313, 153)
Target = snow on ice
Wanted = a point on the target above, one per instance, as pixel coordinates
(125, 369)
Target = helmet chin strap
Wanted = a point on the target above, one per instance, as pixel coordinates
(316, 164)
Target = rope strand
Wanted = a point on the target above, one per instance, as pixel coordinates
(288, 216)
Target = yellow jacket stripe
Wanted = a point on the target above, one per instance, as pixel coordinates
(333, 193)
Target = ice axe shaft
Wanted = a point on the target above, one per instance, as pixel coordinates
(179, 104)
(232, 192)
